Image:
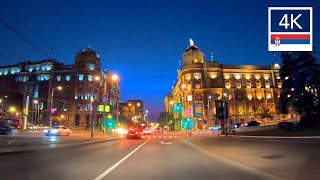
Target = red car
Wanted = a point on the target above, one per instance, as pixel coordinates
(133, 133)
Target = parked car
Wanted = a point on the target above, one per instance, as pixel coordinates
(41, 127)
(7, 130)
(285, 125)
(236, 125)
(252, 123)
(58, 131)
(215, 127)
(133, 133)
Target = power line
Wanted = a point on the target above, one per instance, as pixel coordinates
(25, 39)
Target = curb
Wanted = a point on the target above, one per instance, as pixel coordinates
(10, 152)
(277, 137)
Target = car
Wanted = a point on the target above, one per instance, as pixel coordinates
(285, 125)
(215, 127)
(7, 130)
(252, 124)
(146, 131)
(133, 133)
(40, 127)
(58, 131)
(236, 125)
(158, 130)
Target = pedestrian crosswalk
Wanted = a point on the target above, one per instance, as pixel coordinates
(168, 137)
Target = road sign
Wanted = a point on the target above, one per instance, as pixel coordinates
(204, 121)
(290, 29)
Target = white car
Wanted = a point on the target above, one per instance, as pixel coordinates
(58, 131)
(215, 127)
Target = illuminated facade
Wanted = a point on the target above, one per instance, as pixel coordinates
(247, 89)
(84, 87)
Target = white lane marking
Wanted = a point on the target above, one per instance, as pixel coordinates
(154, 136)
(170, 136)
(159, 136)
(118, 163)
(165, 136)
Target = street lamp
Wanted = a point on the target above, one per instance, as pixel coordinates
(51, 102)
(36, 102)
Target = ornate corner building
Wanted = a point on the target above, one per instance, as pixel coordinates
(84, 87)
(248, 89)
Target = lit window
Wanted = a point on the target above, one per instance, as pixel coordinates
(0, 72)
(67, 77)
(197, 76)
(30, 68)
(279, 84)
(228, 84)
(189, 98)
(248, 84)
(267, 84)
(80, 96)
(58, 78)
(88, 107)
(195, 60)
(89, 77)
(188, 77)
(80, 77)
(91, 67)
(5, 72)
(258, 84)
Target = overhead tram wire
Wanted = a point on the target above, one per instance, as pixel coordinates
(25, 39)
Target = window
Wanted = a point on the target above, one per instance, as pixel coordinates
(58, 78)
(248, 84)
(67, 77)
(279, 84)
(79, 107)
(89, 77)
(228, 83)
(197, 76)
(267, 83)
(90, 66)
(80, 96)
(188, 77)
(258, 83)
(88, 107)
(195, 60)
(80, 77)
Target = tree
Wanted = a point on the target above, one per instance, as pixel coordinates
(300, 74)
(164, 118)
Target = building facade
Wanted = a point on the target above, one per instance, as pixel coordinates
(84, 87)
(247, 89)
(132, 111)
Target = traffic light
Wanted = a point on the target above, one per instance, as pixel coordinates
(187, 123)
(178, 108)
(219, 109)
(110, 124)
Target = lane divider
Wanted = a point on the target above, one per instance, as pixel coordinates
(118, 163)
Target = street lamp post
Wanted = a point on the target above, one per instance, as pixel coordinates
(51, 101)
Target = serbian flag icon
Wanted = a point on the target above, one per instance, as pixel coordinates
(278, 39)
(290, 42)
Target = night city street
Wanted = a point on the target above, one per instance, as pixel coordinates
(159, 90)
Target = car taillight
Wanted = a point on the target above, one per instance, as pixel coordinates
(136, 132)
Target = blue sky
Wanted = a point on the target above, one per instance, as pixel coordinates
(142, 40)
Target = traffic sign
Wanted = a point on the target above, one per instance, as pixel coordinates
(290, 28)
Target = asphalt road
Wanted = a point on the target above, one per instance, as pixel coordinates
(157, 157)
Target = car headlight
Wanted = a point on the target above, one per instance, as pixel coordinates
(45, 131)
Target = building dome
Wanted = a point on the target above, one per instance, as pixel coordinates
(192, 55)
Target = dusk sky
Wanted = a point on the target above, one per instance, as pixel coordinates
(142, 40)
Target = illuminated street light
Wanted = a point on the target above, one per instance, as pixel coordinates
(171, 102)
(12, 109)
(109, 116)
(115, 77)
(51, 102)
